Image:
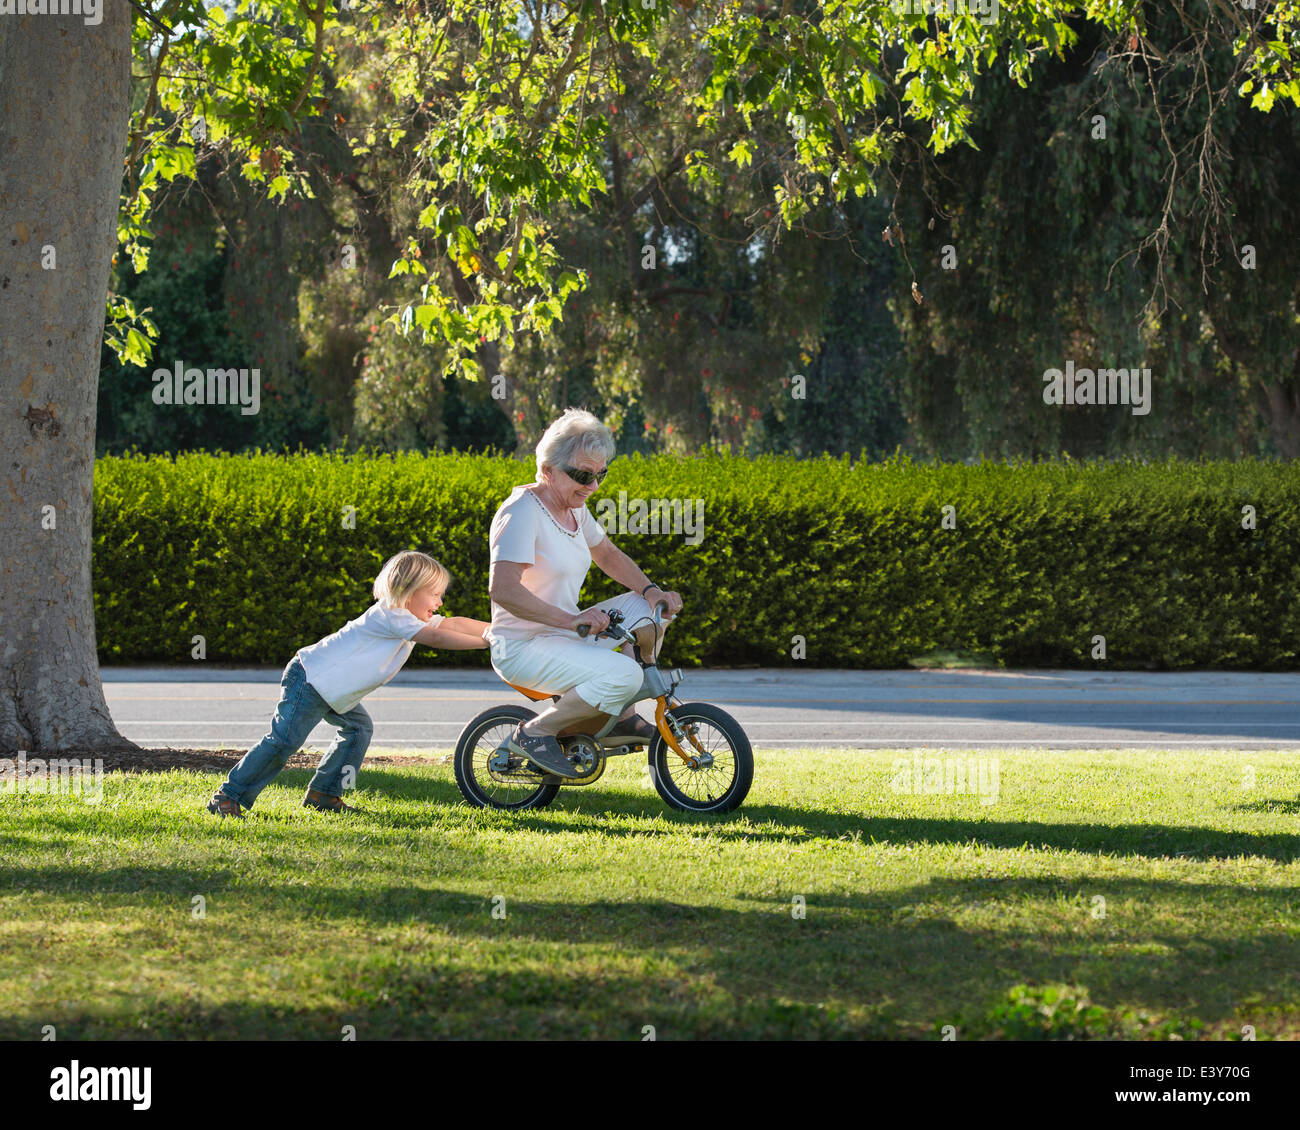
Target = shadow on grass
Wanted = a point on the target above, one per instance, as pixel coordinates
(783, 822)
(909, 960)
(420, 1002)
(581, 809)
(1272, 807)
(576, 809)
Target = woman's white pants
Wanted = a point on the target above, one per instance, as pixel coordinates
(558, 661)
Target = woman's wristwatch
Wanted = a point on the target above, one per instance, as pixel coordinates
(650, 586)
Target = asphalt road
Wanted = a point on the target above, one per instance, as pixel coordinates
(189, 707)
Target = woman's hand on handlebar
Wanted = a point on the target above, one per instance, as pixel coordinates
(672, 599)
(593, 619)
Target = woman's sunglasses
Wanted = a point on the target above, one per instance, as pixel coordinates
(585, 478)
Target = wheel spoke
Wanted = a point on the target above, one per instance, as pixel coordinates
(709, 785)
(494, 788)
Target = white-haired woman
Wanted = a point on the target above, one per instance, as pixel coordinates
(543, 541)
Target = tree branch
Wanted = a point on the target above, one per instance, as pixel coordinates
(318, 22)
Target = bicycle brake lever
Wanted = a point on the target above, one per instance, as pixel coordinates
(584, 630)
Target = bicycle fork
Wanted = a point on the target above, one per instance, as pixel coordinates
(676, 735)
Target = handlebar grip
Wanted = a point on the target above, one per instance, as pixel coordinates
(661, 606)
(584, 630)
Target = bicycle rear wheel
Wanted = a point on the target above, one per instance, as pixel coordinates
(514, 789)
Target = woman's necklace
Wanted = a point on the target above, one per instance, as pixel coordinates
(547, 511)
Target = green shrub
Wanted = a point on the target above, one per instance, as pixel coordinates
(251, 551)
(1065, 1012)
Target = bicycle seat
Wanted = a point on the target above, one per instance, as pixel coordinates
(536, 696)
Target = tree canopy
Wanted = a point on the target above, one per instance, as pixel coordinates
(588, 195)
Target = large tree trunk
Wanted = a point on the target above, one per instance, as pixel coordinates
(64, 91)
(1281, 407)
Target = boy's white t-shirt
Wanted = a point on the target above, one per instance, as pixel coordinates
(362, 655)
(524, 531)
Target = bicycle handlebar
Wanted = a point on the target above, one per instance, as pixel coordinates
(584, 630)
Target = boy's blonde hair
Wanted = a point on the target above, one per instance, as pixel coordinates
(405, 573)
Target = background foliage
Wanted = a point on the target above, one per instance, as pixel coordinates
(668, 214)
(252, 553)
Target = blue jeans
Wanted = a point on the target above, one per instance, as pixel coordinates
(300, 709)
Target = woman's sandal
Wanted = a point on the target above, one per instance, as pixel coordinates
(632, 730)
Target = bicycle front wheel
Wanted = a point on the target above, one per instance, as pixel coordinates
(726, 770)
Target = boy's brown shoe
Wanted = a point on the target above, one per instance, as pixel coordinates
(323, 802)
(222, 805)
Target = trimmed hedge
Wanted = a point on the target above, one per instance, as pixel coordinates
(251, 552)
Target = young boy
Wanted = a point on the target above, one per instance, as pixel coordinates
(330, 678)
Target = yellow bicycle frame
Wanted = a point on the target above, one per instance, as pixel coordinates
(661, 722)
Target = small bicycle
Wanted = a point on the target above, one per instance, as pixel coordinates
(700, 759)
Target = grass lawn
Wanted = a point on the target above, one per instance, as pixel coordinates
(1104, 893)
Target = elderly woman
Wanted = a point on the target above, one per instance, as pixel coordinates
(543, 540)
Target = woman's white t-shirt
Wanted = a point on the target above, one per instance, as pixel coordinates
(523, 530)
(362, 655)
